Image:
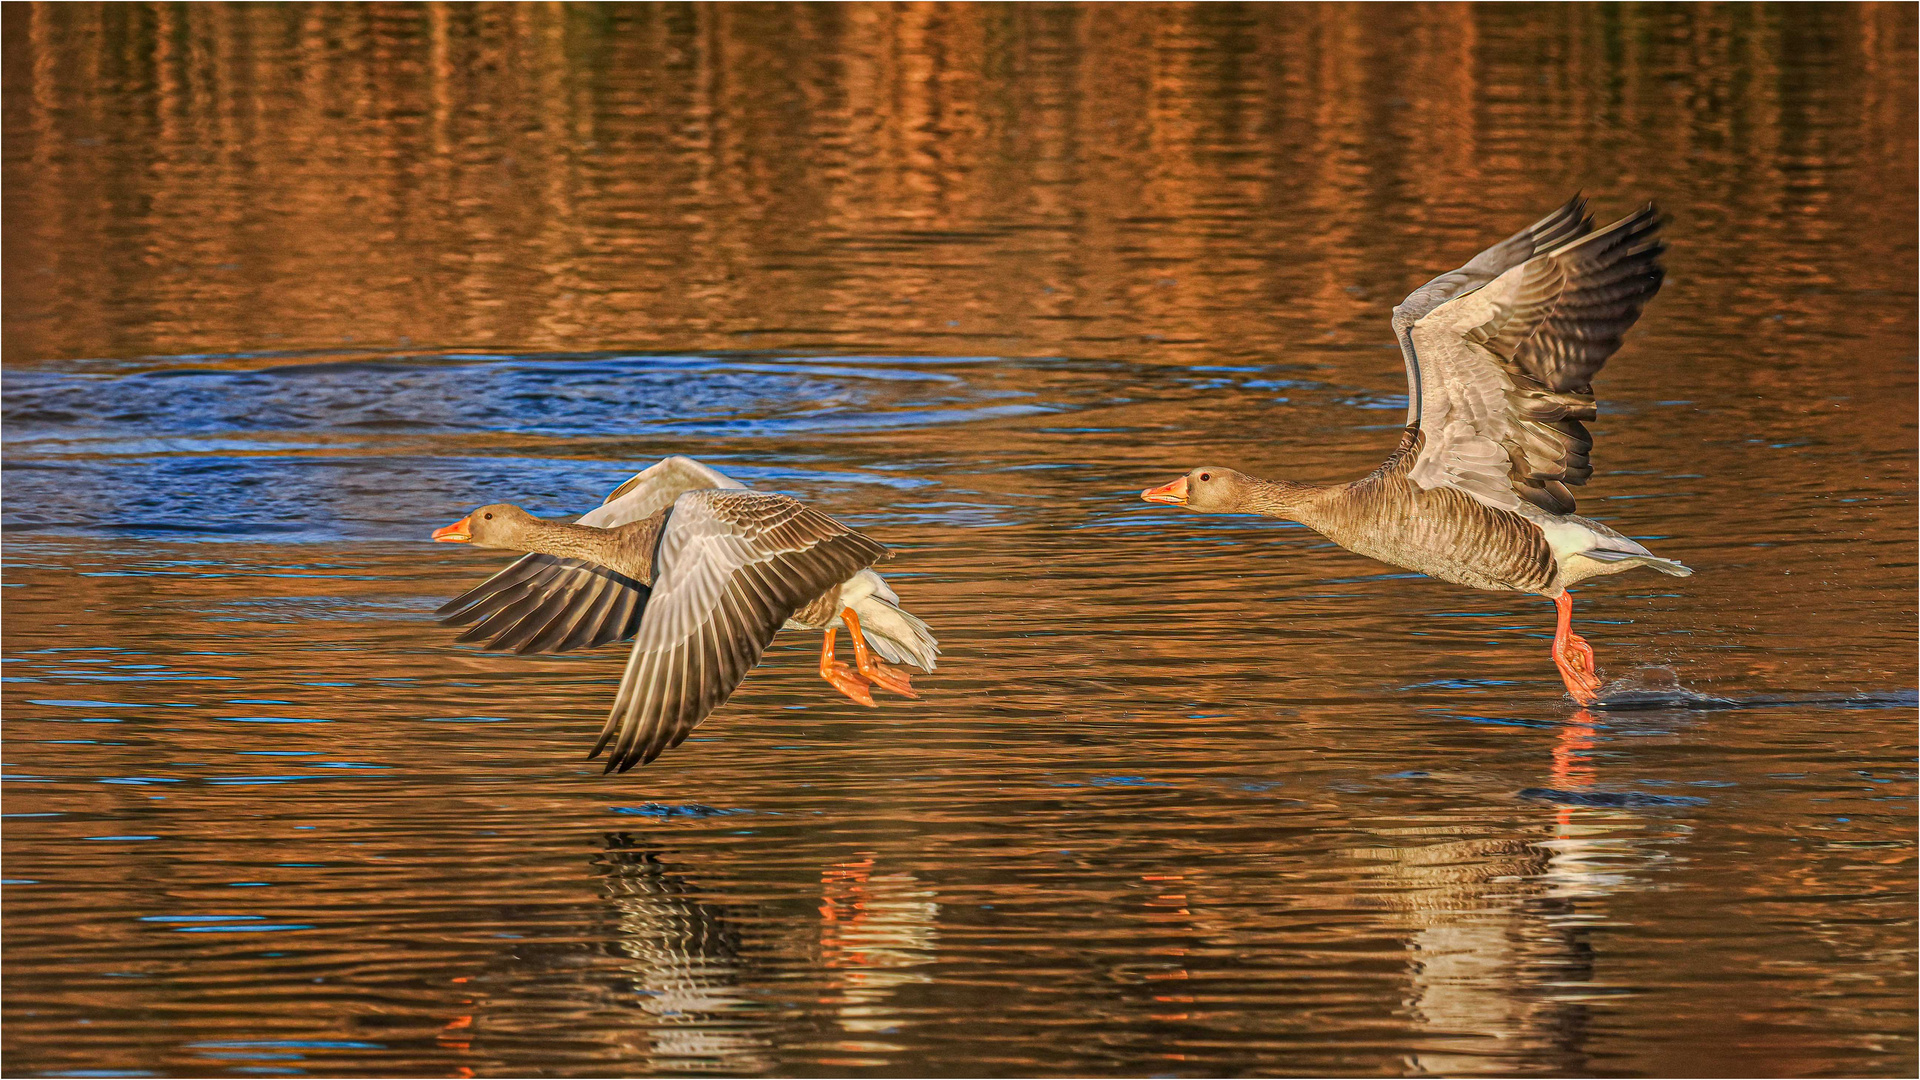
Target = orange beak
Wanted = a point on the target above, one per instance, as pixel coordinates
(457, 533)
(1174, 494)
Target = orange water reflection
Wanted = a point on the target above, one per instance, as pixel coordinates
(1190, 795)
(913, 178)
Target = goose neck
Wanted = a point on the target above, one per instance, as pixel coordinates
(569, 541)
(1284, 499)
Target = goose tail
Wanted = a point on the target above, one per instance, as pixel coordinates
(1671, 567)
(897, 635)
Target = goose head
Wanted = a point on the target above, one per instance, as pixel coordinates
(1209, 489)
(500, 525)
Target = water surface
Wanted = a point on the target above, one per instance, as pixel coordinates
(288, 287)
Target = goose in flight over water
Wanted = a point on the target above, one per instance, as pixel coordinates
(1501, 355)
(701, 572)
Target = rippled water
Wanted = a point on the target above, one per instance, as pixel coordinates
(287, 287)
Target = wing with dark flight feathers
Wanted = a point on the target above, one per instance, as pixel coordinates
(1504, 373)
(1567, 223)
(732, 567)
(548, 604)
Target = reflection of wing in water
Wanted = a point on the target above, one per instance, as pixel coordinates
(1498, 928)
(684, 964)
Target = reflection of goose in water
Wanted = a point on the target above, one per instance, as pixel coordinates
(1491, 945)
(685, 966)
(686, 960)
(1497, 925)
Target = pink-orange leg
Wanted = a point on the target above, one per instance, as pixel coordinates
(1573, 656)
(840, 676)
(890, 678)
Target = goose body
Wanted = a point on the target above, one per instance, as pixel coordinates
(1500, 355)
(701, 572)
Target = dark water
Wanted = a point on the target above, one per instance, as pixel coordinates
(287, 287)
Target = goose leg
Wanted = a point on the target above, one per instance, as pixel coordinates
(1573, 656)
(840, 676)
(880, 674)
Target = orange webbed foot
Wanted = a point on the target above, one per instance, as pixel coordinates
(1580, 659)
(1576, 670)
(1579, 653)
(841, 677)
(847, 681)
(1573, 656)
(890, 678)
(871, 668)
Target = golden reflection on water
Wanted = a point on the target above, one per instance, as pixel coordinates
(910, 179)
(1189, 796)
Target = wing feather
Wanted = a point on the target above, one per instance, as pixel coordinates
(570, 614)
(499, 590)
(521, 603)
(654, 488)
(1505, 372)
(552, 607)
(733, 566)
(1569, 222)
(576, 624)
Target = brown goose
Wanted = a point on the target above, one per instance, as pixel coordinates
(702, 573)
(1500, 357)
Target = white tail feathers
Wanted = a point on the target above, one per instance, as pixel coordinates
(896, 635)
(1671, 567)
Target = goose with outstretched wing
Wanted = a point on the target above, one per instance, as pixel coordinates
(701, 572)
(1500, 356)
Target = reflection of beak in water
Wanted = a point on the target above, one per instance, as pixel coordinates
(873, 928)
(1497, 924)
(685, 966)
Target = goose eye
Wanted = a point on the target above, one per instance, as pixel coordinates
(489, 517)
(1206, 476)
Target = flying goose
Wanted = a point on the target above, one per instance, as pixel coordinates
(701, 572)
(1500, 357)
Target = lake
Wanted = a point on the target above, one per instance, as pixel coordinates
(288, 287)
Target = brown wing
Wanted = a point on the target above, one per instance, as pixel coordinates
(1568, 223)
(544, 603)
(1507, 370)
(732, 567)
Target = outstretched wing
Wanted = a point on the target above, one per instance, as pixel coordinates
(1506, 371)
(653, 489)
(1563, 225)
(545, 603)
(733, 566)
